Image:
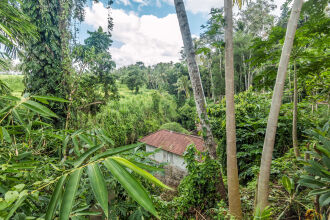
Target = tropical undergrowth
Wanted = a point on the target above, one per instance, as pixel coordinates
(47, 172)
(252, 111)
(135, 116)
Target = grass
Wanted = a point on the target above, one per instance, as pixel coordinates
(125, 92)
(15, 83)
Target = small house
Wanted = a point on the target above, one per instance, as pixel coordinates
(172, 146)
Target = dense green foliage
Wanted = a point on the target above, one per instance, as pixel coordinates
(135, 116)
(174, 126)
(318, 169)
(68, 133)
(251, 118)
(42, 64)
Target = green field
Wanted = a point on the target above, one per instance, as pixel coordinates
(15, 83)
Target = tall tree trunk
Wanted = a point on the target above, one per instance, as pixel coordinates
(267, 152)
(232, 171)
(197, 85)
(249, 72)
(295, 112)
(211, 79)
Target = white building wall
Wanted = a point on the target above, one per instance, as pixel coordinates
(163, 156)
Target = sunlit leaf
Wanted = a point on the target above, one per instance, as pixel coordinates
(116, 150)
(54, 199)
(140, 171)
(99, 186)
(132, 186)
(69, 194)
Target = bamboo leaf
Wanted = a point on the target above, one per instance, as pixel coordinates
(49, 98)
(85, 139)
(17, 116)
(114, 151)
(38, 108)
(84, 156)
(69, 194)
(75, 145)
(99, 187)
(54, 199)
(140, 171)
(147, 167)
(132, 186)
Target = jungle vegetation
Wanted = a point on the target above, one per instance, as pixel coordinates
(255, 87)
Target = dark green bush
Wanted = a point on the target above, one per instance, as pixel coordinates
(134, 116)
(174, 126)
(188, 115)
(252, 111)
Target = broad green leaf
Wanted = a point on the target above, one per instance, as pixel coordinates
(11, 98)
(4, 135)
(6, 109)
(104, 136)
(49, 98)
(23, 195)
(69, 194)
(88, 153)
(11, 196)
(44, 101)
(54, 199)
(17, 116)
(75, 145)
(86, 213)
(140, 171)
(286, 182)
(318, 192)
(85, 139)
(132, 186)
(311, 183)
(147, 167)
(324, 199)
(38, 108)
(324, 150)
(99, 187)
(116, 150)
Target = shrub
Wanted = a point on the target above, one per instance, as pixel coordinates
(174, 126)
(134, 116)
(188, 115)
(251, 120)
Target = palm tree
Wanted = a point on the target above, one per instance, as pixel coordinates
(267, 152)
(232, 170)
(197, 85)
(183, 85)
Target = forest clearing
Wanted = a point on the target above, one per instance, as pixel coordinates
(137, 109)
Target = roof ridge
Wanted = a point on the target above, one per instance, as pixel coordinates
(150, 134)
(190, 135)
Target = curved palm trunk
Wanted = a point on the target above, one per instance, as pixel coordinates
(267, 152)
(197, 85)
(232, 171)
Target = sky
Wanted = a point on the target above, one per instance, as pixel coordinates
(148, 30)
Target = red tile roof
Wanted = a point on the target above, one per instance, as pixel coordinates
(173, 142)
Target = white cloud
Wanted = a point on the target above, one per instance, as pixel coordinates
(196, 6)
(125, 2)
(204, 7)
(147, 38)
